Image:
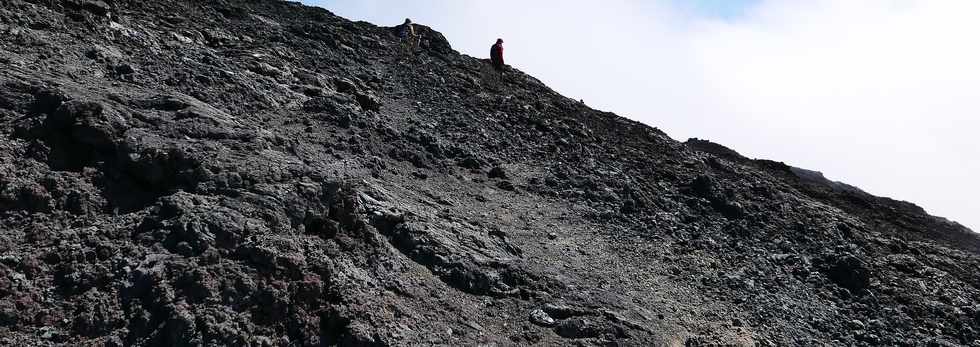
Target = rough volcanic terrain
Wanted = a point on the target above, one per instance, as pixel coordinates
(268, 174)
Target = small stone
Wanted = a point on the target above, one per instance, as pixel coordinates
(312, 91)
(577, 328)
(475, 326)
(265, 69)
(182, 39)
(96, 7)
(498, 172)
(506, 185)
(124, 69)
(345, 86)
(541, 318)
(368, 101)
(561, 311)
(470, 163)
(552, 236)
(48, 333)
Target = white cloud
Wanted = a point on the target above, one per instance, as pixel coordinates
(881, 94)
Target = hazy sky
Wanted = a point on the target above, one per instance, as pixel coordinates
(881, 94)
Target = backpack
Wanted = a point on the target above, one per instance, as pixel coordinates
(406, 31)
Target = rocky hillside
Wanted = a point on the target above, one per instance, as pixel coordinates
(183, 172)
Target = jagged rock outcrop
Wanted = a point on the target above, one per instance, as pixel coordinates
(264, 173)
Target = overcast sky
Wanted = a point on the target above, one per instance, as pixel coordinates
(881, 94)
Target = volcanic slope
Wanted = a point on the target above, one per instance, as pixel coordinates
(265, 173)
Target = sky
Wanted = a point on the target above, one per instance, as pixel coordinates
(880, 94)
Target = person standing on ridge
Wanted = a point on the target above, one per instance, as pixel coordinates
(497, 56)
(409, 37)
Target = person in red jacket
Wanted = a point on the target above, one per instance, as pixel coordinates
(497, 55)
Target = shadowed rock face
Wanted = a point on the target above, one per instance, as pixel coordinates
(264, 173)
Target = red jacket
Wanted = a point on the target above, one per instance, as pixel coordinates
(497, 54)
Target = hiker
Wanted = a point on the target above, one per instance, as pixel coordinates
(497, 56)
(409, 37)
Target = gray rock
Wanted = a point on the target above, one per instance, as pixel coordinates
(539, 317)
(498, 172)
(563, 311)
(578, 328)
